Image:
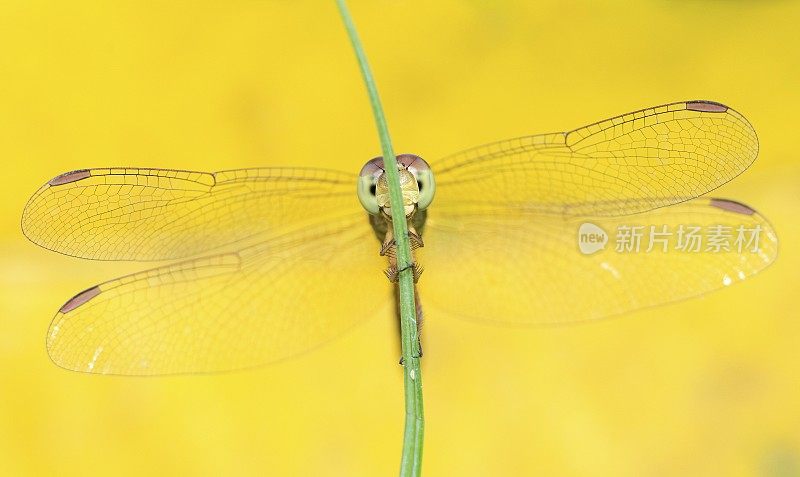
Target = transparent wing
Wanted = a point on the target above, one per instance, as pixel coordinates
(506, 266)
(229, 311)
(623, 165)
(158, 214)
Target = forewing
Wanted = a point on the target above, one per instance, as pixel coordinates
(158, 214)
(224, 312)
(520, 268)
(628, 164)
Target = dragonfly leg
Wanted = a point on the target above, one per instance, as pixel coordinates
(418, 269)
(393, 272)
(414, 238)
(389, 242)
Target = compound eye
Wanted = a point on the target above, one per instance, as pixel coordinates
(367, 183)
(424, 175)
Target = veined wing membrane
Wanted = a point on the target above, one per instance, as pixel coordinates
(505, 266)
(158, 214)
(230, 311)
(624, 165)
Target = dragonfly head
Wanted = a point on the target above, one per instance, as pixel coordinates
(416, 184)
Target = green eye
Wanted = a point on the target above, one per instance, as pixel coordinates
(427, 188)
(367, 181)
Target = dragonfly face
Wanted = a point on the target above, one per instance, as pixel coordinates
(260, 254)
(416, 183)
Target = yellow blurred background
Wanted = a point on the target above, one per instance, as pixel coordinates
(706, 387)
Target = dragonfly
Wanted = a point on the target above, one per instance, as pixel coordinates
(268, 263)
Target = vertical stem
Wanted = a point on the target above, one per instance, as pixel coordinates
(411, 460)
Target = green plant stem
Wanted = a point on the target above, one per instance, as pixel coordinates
(411, 460)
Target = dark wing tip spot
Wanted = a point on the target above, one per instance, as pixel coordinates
(72, 176)
(732, 206)
(706, 106)
(80, 299)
